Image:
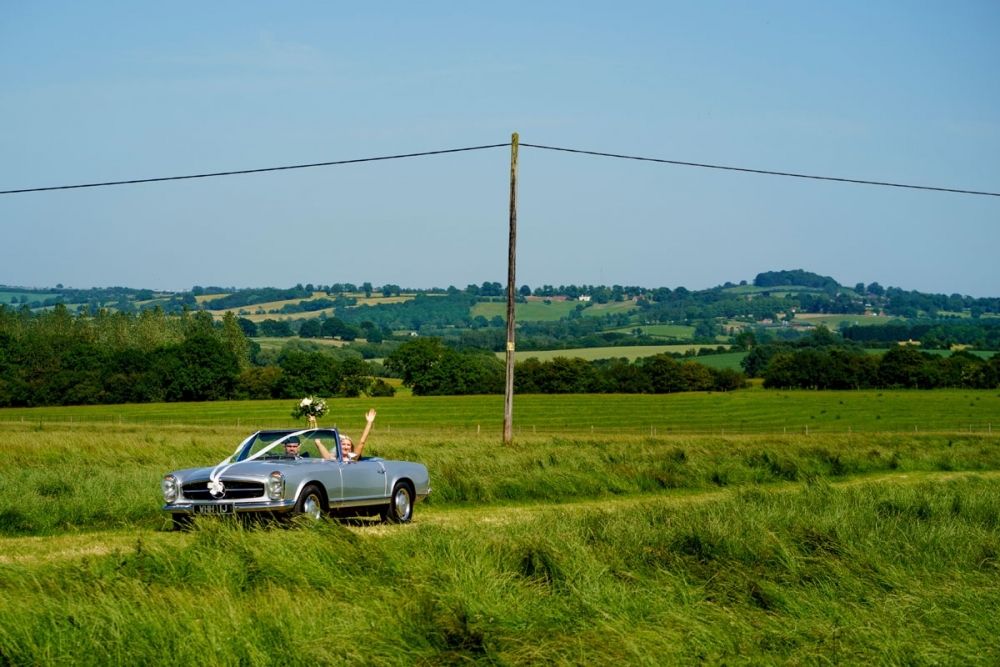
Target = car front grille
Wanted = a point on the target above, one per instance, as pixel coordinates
(235, 490)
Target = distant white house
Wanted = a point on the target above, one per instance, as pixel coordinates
(584, 298)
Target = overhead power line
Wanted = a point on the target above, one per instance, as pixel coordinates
(578, 151)
(253, 171)
(764, 171)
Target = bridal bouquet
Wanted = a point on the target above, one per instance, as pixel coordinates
(310, 406)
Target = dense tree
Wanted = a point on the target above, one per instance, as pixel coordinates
(249, 327)
(310, 329)
(664, 374)
(796, 277)
(900, 367)
(355, 377)
(307, 373)
(202, 368)
(430, 368)
(275, 329)
(258, 383)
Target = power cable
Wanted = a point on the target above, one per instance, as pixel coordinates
(252, 171)
(479, 148)
(763, 171)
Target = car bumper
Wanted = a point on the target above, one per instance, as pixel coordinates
(240, 507)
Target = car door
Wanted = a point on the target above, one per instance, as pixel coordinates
(363, 481)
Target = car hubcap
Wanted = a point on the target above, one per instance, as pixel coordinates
(312, 507)
(403, 504)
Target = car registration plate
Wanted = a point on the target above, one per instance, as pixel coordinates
(224, 508)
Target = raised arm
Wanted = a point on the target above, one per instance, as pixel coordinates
(323, 451)
(368, 428)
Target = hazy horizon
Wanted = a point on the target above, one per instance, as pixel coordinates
(376, 285)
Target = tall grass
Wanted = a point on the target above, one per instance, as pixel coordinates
(879, 574)
(56, 478)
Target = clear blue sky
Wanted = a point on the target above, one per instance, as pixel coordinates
(899, 91)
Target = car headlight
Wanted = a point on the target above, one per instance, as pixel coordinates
(169, 488)
(276, 486)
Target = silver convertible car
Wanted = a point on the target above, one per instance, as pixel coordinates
(261, 477)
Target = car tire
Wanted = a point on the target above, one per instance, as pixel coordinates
(311, 503)
(400, 509)
(181, 521)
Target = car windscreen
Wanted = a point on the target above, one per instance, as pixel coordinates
(307, 444)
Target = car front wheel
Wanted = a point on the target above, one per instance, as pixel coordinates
(400, 508)
(310, 503)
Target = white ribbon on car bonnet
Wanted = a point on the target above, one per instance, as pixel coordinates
(214, 483)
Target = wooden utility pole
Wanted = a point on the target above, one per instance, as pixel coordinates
(508, 399)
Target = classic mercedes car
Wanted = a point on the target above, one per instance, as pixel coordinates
(268, 474)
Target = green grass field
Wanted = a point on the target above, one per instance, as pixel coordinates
(7, 295)
(539, 311)
(669, 330)
(532, 311)
(610, 308)
(731, 360)
(746, 411)
(561, 549)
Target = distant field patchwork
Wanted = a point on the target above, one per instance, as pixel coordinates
(833, 321)
(539, 311)
(669, 330)
(630, 352)
(6, 296)
(252, 314)
(278, 343)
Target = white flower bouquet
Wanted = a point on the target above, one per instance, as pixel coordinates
(310, 406)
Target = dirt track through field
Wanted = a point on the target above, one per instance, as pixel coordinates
(42, 549)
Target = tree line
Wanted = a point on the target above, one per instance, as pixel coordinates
(431, 368)
(981, 334)
(57, 358)
(824, 361)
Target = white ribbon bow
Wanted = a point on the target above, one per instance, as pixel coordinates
(219, 470)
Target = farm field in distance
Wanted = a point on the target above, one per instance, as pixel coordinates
(833, 321)
(729, 360)
(252, 314)
(277, 343)
(630, 352)
(539, 311)
(746, 411)
(669, 330)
